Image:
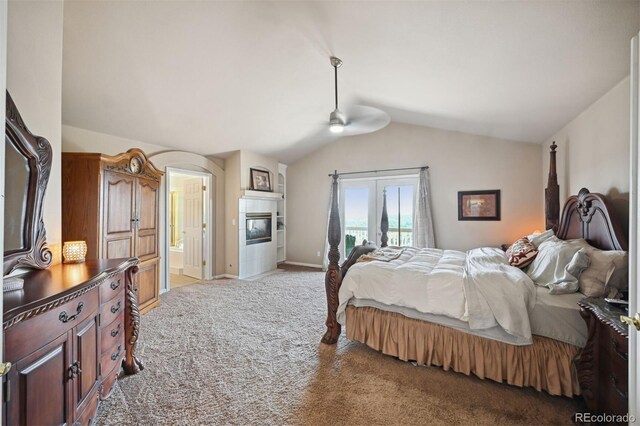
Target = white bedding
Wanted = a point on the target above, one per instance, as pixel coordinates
(479, 288)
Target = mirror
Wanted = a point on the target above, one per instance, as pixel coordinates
(27, 168)
(15, 197)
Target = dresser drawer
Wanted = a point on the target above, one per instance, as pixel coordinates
(111, 288)
(107, 383)
(112, 333)
(87, 415)
(615, 351)
(112, 309)
(112, 357)
(28, 335)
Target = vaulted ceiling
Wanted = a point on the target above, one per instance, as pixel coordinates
(212, 77)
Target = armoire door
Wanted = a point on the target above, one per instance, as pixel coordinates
(146, 219)
(40, 386)
(119, 215)
(146, 284)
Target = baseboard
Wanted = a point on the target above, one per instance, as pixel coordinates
(233, 277)
(308, 265)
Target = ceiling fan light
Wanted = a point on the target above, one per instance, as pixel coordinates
(336, 121)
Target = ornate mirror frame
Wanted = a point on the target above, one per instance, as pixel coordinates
(37, 152)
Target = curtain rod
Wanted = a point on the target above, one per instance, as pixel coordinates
(377, 171)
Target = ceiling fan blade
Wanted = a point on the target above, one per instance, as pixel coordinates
(363, 119)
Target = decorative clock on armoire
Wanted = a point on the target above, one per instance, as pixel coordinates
(112, 203)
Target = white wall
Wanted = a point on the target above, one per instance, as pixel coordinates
(34, 79)
(231, 195)
(3, 87)
(237, 174)
(457, 162)
(75, 139)
(593, 151)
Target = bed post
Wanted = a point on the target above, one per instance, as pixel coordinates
(552, 193)
(384, 220)
(333, 277)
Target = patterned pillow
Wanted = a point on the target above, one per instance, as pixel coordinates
(521, 253)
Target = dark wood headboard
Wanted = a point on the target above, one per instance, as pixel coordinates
(592, 217)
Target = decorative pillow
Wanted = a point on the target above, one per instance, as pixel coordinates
(605, 266)
(569, 282)
(538, 239)
(521, 253)
(550, 265)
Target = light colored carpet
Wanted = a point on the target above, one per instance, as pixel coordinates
(248, 352)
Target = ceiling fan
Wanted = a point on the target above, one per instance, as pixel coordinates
(358, 119)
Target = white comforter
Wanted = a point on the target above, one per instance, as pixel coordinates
(478, 287)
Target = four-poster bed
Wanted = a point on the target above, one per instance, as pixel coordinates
(545, 364)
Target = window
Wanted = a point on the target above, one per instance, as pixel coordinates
(362, 210)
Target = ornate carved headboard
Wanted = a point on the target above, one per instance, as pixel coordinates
(591, 216)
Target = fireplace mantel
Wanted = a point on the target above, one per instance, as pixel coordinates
(261, 195)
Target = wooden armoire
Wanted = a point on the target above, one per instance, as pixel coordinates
(112, 203)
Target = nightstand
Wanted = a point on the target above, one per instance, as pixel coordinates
(603, 363)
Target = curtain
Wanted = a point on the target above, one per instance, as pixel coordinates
(325, 259)
(423, 234)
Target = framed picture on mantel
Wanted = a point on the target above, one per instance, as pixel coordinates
(479, 205)
(260, 180)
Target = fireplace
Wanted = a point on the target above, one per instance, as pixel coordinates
(258, 228)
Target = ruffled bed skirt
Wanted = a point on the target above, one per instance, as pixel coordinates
(546, 365)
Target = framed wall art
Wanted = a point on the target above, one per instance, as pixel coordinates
(479, 205)
(260, 180)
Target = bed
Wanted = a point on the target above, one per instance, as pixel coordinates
(533, 338)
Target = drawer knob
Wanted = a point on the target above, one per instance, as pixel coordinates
(74, 370)
(115, 308)
(64, 317)
(115, 285)
(117, 354)
(115, 331)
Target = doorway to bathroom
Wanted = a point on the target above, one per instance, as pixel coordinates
(189, 232)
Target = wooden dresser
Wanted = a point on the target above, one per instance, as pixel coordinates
(112, 203)
(603, 363)
(67, 334)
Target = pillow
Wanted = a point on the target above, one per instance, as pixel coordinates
(521, 253)
(619, 277)
(550, 265)
(569, 283)
(605, 265)
(537, 239)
